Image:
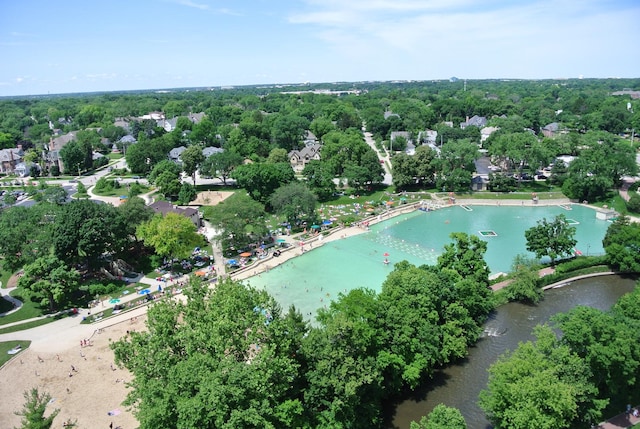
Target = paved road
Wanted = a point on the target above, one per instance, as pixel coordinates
(386, 165)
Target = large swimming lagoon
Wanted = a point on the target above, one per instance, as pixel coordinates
(313, 279)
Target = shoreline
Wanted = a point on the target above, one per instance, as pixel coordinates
(295, 249)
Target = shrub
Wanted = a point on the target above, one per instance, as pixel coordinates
(633, 205)
(580, 263)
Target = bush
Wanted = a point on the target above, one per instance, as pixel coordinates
(580, 263)
(54, 170)
(633, 205)
(99, 288)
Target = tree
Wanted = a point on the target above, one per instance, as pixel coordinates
(221, 165)
(172, 235)
(288, 131)
(227, 358)
(49, 279)
(466, 256)
(191, 158)
(441, 417)
(73, 157)
(553, 239)
(240, 220)
(524, 286)
(295, 202)
(622, 245)
(540, 385)
(319, 179)
(262, 179)
(83, 232)
(187, 193)
(34, 409)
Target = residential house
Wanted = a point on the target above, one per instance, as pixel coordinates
(196, 118)
(174, 154)
(122, 123)
(208, 151)
(300, 158)
(480, 182)
(550, 130)
(52, 154)
(9, 159)
(404, 134)
(168, 124)
(486, 132)
(475, 121)
(23, 169)
(164, 207)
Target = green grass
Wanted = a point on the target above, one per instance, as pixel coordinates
(116, 192)
(8, 345)
(29, 309)
(29, 325)
(4, 278)
(113, 156)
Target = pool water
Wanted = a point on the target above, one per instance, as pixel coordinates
(313, 279)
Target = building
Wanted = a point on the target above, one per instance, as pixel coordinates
(300, 158)
(9, 159)
(164, 207)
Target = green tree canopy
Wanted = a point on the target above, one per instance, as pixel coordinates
(226, 358)
(221, 165)
(554, 239)
(50, 280)
(541, 384)
(262, 179)
(442, 417)
(191, 158)
(172, 235)
(34, 409)
(622, 245)
(295, 202)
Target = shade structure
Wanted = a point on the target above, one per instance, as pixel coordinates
(315, 226)
(280, 240)
(326, 222)
(114, 301)
(245, 254)
(232, 262)
(200, 273)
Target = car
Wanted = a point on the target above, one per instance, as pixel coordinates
(541, 177)
(382, 161)
(135, 177)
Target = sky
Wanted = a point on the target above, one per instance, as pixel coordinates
(68, 46)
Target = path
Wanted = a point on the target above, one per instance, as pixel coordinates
(621, 421)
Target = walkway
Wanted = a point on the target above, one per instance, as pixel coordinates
(621, 421)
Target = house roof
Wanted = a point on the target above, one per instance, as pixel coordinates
(196, 117)
(128, 139)
(306, 152)
(208, 151)
(164, 207)
(176, 152)
(59, 142)
(12, 154)
(396, 134)
(476, 121)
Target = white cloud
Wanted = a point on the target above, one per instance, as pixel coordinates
(189, 3)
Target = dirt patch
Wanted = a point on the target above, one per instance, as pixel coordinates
(13, 281)
(210, 198)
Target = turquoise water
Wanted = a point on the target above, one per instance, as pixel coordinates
(311, 280)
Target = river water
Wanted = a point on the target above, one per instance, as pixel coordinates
(459, 386)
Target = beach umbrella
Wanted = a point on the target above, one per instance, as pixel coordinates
(280, 240)
(200, 273)
(114, 301)
(326, 222)
(232, 262)
(315, 226)
(245, 254)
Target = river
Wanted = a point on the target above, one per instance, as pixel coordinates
(459, 385)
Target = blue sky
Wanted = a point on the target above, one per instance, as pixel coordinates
(84, 45)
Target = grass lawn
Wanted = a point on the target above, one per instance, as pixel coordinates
(116, 192)
(29, 310)
(4, 278)
(8, 345)
(29, 325)
(113, 156)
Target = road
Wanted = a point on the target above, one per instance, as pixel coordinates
(386, 159)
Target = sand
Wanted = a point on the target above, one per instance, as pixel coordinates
(210, 198)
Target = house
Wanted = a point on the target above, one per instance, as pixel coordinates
(389, 113)
(164, 207)
(310, 139)
(9, 159)
(486, 132)
(122, 123)
(23, 169)
(208, 151)
(174, 154)
(480, 182)
(168, 124)
(550, 130)
(196, 118)
(403, 134)
(475, 121)
(300, 158)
